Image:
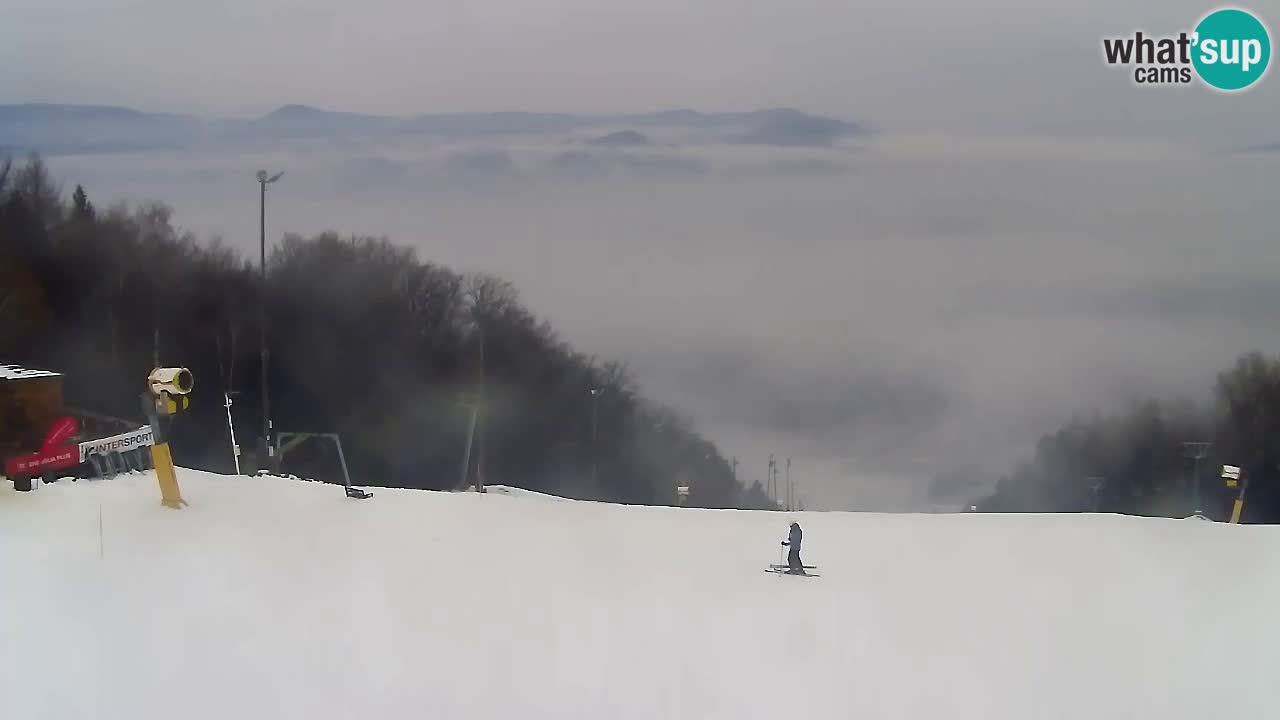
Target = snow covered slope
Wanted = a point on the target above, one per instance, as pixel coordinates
(273, 598)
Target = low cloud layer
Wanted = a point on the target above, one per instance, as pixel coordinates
(902, 317)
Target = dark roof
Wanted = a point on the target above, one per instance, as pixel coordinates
(17, 372)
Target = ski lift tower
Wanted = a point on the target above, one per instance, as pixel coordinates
(1196, 451)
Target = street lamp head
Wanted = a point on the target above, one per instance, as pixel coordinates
(275, 177)
(262, 176)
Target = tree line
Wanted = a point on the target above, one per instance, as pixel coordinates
(1147, 459)
(365, 339)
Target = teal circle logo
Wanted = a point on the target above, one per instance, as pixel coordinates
(1231, 49)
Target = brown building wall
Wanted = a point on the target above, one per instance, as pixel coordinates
(28, 407)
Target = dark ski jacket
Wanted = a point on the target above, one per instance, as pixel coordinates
(794, 537)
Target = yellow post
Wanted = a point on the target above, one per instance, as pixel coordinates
(170, 494)
(1236, 477)
(168, 387)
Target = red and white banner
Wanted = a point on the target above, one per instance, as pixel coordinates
(61, 457)
(55, 458)
(142, 437)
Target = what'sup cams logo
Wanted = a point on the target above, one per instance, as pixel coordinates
(1229, 50)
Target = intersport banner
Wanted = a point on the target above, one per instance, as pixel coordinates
(142, 437)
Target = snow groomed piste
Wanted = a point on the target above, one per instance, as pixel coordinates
(274, 598)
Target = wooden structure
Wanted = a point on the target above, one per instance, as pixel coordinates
(30, 401)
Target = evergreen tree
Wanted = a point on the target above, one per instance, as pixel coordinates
(81, 209)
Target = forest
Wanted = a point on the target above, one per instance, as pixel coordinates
(391, 352)
(1163, 458)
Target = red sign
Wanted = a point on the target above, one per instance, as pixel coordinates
(60, 432)
(56, 458)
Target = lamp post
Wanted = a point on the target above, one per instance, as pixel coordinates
(265, 448)
(789, 487)
(595, 448)
(769, 482)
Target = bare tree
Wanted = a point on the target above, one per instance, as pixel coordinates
(38, 191)
(6, 168)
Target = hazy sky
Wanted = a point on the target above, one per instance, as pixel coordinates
(998, 66)
(1030, 236)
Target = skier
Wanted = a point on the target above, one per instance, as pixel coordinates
(793, 556)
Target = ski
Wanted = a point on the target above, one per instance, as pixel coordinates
(788, 567)
(782, 572)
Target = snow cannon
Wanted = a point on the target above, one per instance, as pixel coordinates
(172, 381)
(168, 389)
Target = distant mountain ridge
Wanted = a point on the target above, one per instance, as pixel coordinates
(622, 138)
(63, 129)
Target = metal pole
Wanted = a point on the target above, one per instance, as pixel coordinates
(777, 492)
(789, 494)
(480, 424)
(466, 454)
(346, 476)
(481, 417)
(1195, 485)
(595, 446)
(1196, 451)
(235, 449)
(262, 317)
(263, 181)
(768, 481)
